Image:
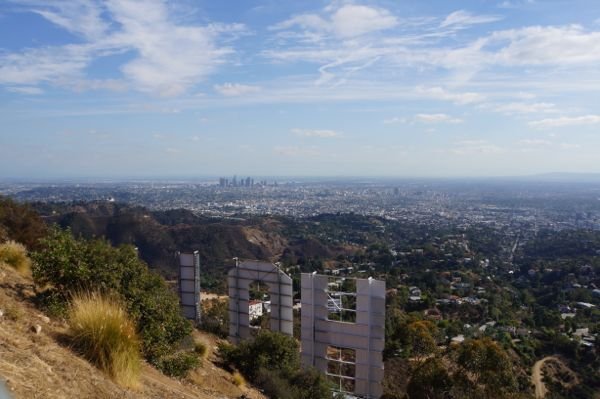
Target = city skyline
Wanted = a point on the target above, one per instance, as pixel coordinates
(319, 88)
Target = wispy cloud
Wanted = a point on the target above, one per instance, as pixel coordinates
(565, 121)
(515, 3)
(442, 94)
(235, 89)
(473, 147)
(462, 18)
(347, 21)
(169, 57)
(526, 108)
(320, 133)
(535, 142)
(30, 90)
(394, 120)
(436, 118)
(297, 151)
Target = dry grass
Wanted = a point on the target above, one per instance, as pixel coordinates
(238, 379)
(201, 350)
(15, 255)
(14, 313)
(103, 333)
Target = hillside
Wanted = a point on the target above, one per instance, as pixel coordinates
(158, 235)
(41, 365)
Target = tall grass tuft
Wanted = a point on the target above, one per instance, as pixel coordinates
(103, 333)
(238, 379)
(14, 254)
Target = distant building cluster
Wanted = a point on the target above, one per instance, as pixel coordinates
(234, 182)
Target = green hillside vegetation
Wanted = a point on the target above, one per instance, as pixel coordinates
(272, 361)
(67, 265)
(519, 297)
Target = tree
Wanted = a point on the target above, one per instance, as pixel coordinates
(421, 339)
(485, 366)
(430, 380)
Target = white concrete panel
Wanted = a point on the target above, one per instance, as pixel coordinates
(366, 336)
(280, 291)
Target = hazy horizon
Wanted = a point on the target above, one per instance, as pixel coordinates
(543, 177)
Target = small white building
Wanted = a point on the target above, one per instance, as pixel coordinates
(255, 309)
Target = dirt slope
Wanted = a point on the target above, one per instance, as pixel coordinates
(554, 369)
(536, 378)
(40, 365)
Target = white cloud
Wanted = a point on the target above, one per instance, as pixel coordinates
(441, 94)
(297, 151)
(535, 142)
(81, 17)
(235, 89)
(355, 20)
(474, 147)
(393, 120)
(464, 18)
(550, 45)
(30, 90)
(347, 21)
(169, 57)
(515, 3)
(569, 146)
(36, 66)
(321, 133)
(564, 121)
(526, 108)
(436, 118)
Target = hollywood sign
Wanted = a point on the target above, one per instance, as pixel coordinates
(342, 321)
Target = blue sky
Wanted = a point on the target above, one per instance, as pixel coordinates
(124, 88)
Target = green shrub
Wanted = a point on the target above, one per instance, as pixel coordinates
(102, 332)
(179, 364)
(15, 255)
(70, 265)
(272, 361)
(265, 351)
(302, 384)
(274, 385)
(215, 317)
(53, 303)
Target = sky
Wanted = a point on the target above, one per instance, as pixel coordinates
(436, 88)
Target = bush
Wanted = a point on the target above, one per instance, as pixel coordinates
(272, 361)
(266, 350)
(70, 265)
(215, 317)
(102, 332)
(15, 255)
(179, 364)
(302, 384)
